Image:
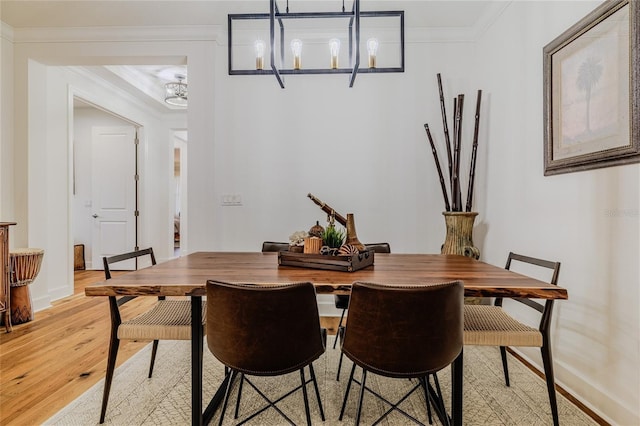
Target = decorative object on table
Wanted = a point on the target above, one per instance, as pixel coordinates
(25, 266)
(333, 238)
(352, 237)
(312, 245)
(592, 91)
(458, 239)
(346, 263)
(348, 222)
(296, 241)
(328, 210)
(316, 230)
(347, 249)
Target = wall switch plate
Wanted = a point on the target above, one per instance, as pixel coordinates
(231, 200)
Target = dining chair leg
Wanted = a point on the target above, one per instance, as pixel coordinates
(111, 366)
(154, 349)
(235, 415)
(423, 382)
(362, 388)
(305, 396)
(234, 373)
(340, 334)
(346, 394)
(547, 361)
(505, 367)
(315, 385)
(339, 326)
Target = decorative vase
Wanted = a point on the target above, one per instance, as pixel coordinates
(352, 237)
(459, 238)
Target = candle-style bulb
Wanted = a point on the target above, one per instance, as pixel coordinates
(372, 48)
(296, 49)
(334, 49)
(259, 49)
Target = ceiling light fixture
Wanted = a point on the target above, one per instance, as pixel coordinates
(176, 92)
(256, 25)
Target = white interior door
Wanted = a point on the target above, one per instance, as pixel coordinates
(114, 197)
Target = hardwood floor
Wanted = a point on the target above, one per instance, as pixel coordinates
(48, 362)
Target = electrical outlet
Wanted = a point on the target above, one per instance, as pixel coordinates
(231, 200)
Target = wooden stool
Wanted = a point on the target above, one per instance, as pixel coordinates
(25, 266)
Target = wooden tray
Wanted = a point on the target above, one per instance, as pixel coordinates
(349, 263)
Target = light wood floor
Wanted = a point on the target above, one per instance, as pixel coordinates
(48, 362)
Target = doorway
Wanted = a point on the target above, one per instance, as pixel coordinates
(105, 194)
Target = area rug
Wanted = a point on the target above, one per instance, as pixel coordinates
(165, 399)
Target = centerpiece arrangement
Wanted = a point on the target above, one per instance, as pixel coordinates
(331, 248)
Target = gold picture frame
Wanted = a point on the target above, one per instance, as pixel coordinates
(592, 91)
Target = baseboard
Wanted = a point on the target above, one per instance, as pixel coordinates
(599, 418)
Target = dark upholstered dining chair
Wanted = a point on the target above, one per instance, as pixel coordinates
(486, 325)
(342, 300)
(265, 330)
(403, 331)
(274, 246)
(166, 320)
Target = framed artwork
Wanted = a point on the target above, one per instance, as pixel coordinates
(592, 91)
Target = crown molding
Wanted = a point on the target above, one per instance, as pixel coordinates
(217, 33)
(111, 34)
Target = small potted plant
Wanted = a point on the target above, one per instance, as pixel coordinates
(332, 238)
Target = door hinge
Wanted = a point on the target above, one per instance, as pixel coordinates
(136, 213)
(136, 177)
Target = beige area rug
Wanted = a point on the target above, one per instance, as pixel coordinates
(165, 399)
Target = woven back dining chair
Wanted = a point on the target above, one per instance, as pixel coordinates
(166, 320)
(403, 331)
(265, 330)
(491, 325)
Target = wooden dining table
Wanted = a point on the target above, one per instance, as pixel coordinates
(187, 276)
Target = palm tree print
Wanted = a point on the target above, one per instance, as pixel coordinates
(589, 74)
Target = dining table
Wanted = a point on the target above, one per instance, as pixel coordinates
(187, 276)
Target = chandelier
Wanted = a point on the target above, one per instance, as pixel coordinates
(176, 92)
(332, 29)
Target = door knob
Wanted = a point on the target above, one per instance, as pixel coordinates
(94, 215)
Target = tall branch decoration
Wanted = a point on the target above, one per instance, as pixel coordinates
(453, 149)
(459, 222)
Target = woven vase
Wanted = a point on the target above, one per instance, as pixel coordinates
(459, 238)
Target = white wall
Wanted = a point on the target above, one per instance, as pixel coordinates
(361, 150)
(587, 220)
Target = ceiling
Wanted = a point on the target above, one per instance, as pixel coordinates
(147, 82)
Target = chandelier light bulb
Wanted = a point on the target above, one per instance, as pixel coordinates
(372, 48)
(296, 49)
(259, 48)
(334, 48)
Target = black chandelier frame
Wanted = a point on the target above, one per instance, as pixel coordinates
(275, 16)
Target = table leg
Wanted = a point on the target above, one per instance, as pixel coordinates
(196, 360)
(456, 394)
